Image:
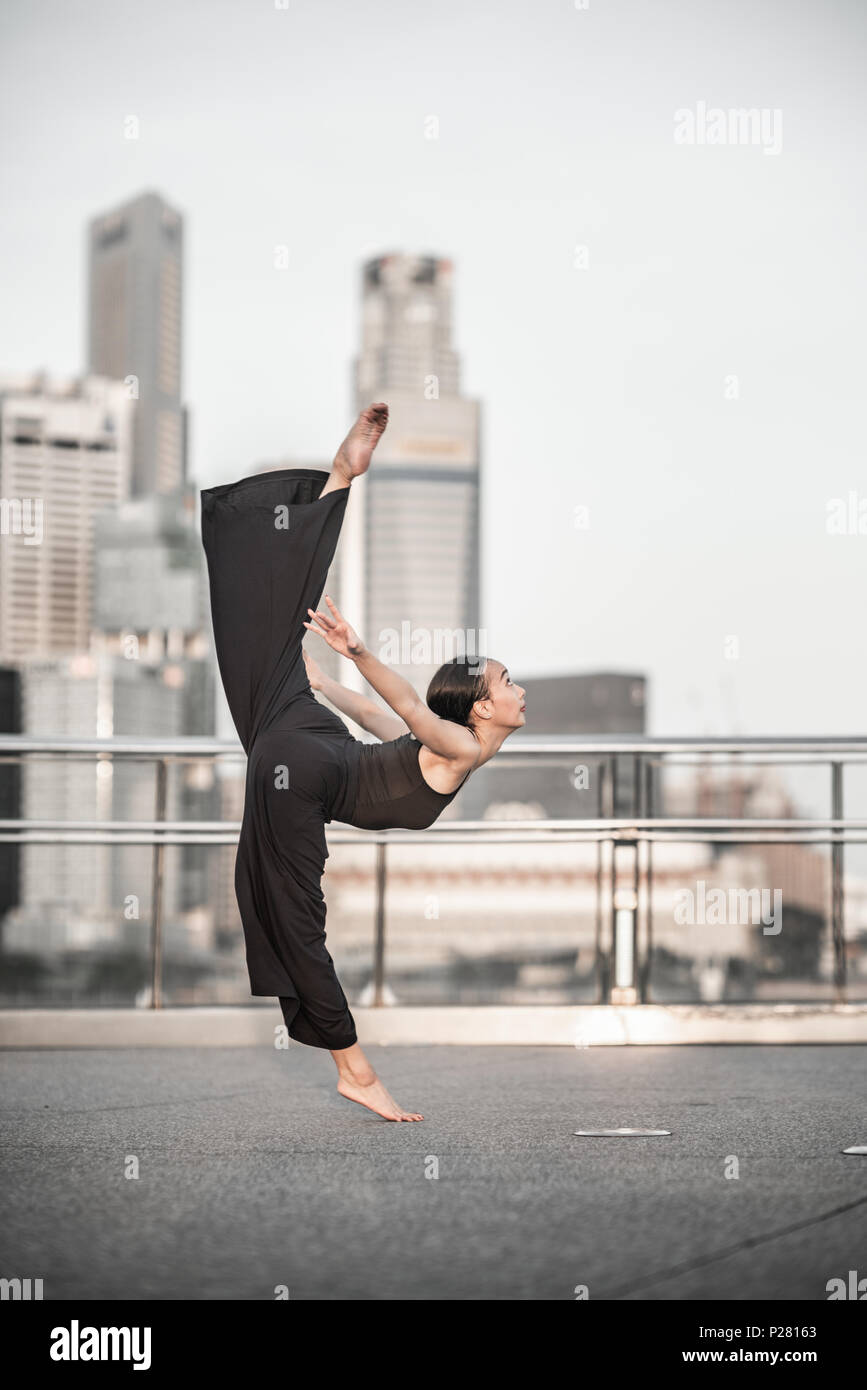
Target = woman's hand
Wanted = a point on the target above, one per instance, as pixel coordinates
(314, 674)
(336, 631)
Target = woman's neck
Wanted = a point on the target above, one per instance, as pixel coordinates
(490, 739)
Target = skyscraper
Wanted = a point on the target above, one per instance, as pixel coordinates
(135, 318)
(150, 621)
(411, 543)
(64, 456)
(149, 573)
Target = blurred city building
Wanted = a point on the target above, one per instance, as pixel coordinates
(152, 618)
(65, 454)
(135, 329)
(104, 616)
(587, 703)
(411, 538)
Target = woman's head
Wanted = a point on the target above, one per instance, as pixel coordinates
(476, 691)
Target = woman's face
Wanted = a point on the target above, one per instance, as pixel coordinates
(506, 697)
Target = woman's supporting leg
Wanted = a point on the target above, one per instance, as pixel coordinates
(289, 894)
(283, 907)
(319, 1029)
(357, 1080)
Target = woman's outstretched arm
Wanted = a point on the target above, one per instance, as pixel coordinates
(364, 712)
(446, 739)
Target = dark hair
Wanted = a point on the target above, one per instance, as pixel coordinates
(456, 686)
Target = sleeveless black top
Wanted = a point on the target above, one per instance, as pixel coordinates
(390, 789)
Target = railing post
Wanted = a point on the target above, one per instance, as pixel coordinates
(625, 925)
(157, 872)
(379, 942)
(599, 961)
(646, 961)
(599, 965)
(837, 901)
(625, 899)
(605, 885)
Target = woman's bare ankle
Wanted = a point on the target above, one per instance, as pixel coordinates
(353, 1066)
(358, 1076)
(338, 478)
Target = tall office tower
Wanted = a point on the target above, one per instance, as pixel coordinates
(151, 618)
(65, 453)
(150, 576)
(411, 541)
(135, 319)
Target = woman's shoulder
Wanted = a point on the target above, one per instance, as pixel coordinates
(463, 766)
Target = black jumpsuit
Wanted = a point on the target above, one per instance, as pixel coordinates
(269, 541)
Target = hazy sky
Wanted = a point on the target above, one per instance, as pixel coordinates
(602, 374)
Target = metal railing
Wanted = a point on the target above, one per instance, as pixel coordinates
(635, 832)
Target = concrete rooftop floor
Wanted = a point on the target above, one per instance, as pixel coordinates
(255, 1173)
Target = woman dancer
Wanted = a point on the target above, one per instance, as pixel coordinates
(269, 540)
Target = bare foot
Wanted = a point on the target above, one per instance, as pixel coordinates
(376, 1098)
(354, 455)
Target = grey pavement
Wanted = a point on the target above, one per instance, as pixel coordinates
(254, 1173)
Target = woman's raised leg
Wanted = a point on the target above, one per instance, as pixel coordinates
(354, 455)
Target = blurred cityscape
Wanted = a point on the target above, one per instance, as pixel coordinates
(105, 632)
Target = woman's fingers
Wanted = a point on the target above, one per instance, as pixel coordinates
(333, 630)
(332, 637)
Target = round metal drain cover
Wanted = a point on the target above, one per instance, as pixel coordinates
(856, 1149)
(620, 1133)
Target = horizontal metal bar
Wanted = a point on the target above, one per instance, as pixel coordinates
(397, 837)
(195, 748)
(202, 827)
(600, 828)
(198, 748)
(706, 830)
